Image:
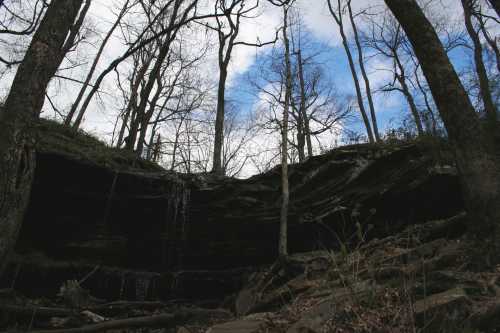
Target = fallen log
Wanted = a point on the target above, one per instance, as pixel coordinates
(40, 311)
(163, 321)
(111, 309)
(108, 309)
(155, 321)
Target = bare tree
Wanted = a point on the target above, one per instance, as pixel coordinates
(141, 61)
(484, 85)
(303, 124)
(56, 31)
(388, 40)
(285, 192)
(361, 62)
(338, 16)
(186, 14)
(18, 21)
(316, 109)
(492, 41)
(227, 29)
(475, 151)
(90, 74)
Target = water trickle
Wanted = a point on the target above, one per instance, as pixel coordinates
(175, 225)
(122, 286)
(142, 288)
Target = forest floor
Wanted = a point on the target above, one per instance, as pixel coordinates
(418, 280)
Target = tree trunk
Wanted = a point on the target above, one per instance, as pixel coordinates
(301, 140)
(413, 107)
(285, 193)
(303, 111)
(176, 143)
(354, 74)
(72, 111)
(476, 161)
(132, 103)
(484, 84)
(432, 127)
(363, 73)
(406, 92)
(21, 111)
(219, 123)
(141, 117)
(147, 117)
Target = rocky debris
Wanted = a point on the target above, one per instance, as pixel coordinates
(314, 319)
(406, 282)
(239, 326)
(441, 311)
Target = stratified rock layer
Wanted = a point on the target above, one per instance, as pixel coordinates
(85, 213)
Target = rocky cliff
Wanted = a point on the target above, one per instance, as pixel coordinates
(128, 229)
(95, 206)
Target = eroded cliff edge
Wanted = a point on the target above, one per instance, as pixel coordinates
(162, 235)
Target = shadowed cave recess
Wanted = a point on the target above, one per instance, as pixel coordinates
(149, 234)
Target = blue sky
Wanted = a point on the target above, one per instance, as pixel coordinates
(391, 107)
(336, 67)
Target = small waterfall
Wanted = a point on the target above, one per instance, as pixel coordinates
(176, 222)
(142, 287)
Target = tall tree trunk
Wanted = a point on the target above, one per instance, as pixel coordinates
(430, 113)
(302, 110)
(123, 127)
(219, 123)
(475, 152)
(363, 73)
(148, 115)
(141, 117)
(301, 140)
(86, 83)
(352, 67)
(407, 93)
(484, 84)
(132, 103)
(176, 143)
(285, 192)
(21, 111)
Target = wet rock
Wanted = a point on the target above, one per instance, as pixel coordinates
(313, 320)
(183, 330)
(442, 311)
(239, 326)
(154, 220)
(246, 301)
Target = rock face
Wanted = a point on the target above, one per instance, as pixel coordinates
(416, 280)
(180, 227)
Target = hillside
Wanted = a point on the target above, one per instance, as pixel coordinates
(376, 235)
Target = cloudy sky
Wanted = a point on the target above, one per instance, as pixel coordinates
(317, 21)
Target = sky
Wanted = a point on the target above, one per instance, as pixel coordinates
(322, 32)
(326, 38)
(317, 21)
